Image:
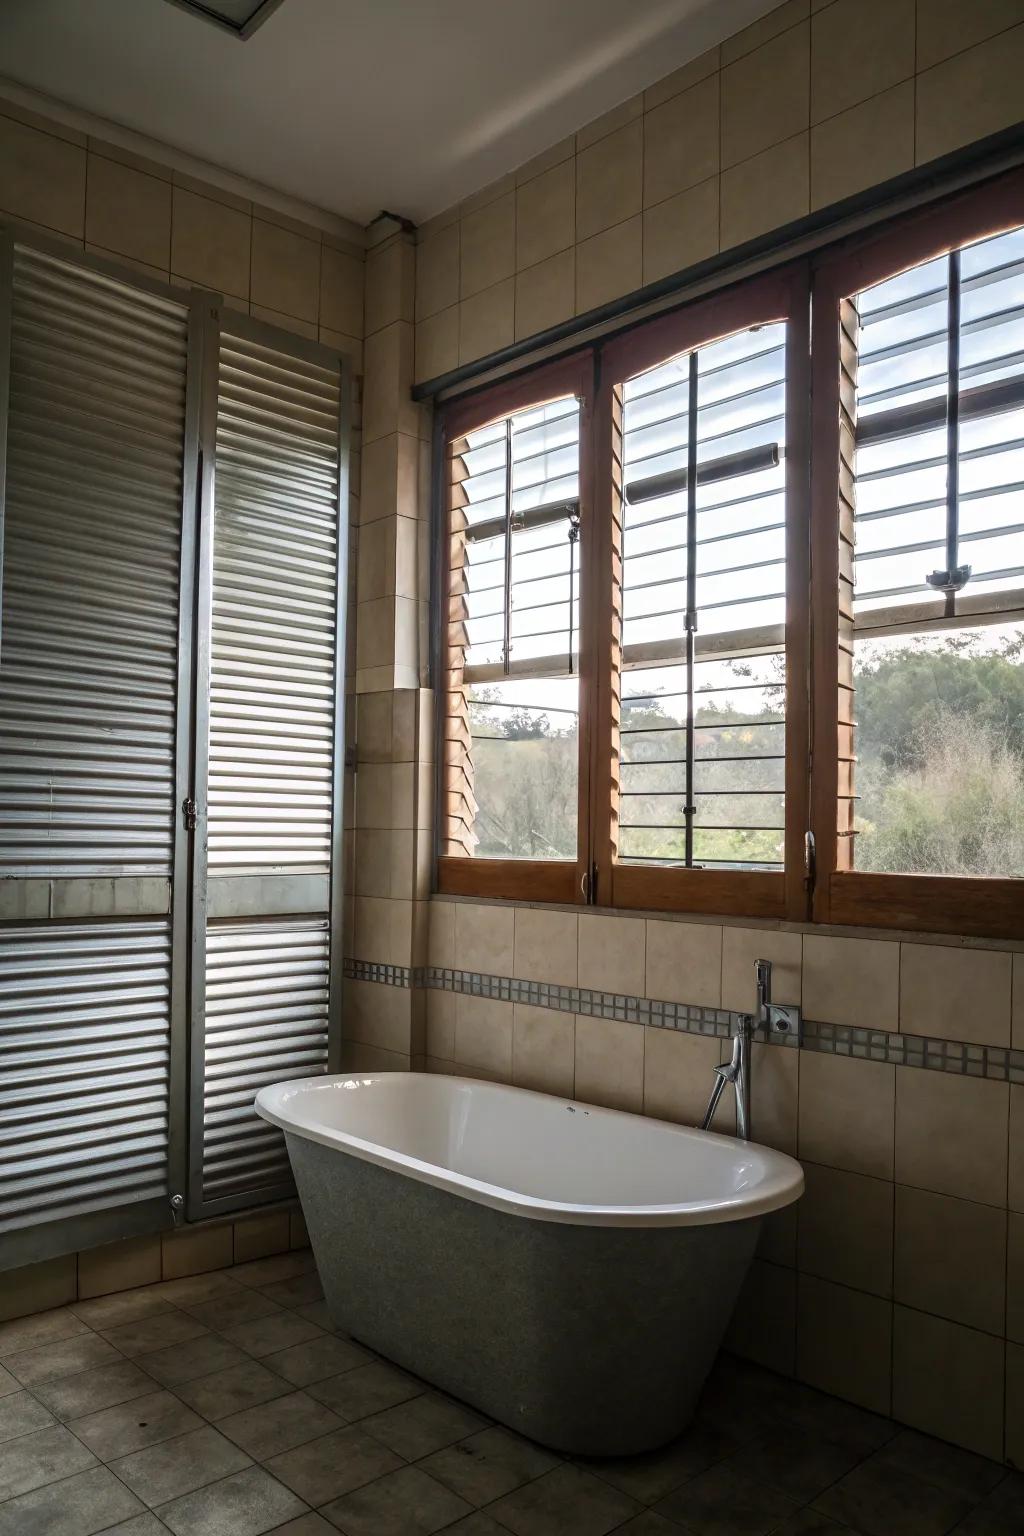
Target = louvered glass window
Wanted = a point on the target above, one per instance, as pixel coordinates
(514, 637)
(937, 666)
(702, 739)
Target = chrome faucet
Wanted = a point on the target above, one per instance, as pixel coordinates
(769, 1018)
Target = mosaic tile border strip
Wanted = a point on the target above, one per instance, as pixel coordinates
(998, 1063)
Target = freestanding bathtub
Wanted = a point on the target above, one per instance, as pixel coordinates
(568, 1270)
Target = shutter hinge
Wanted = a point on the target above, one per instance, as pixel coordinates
(189, 814)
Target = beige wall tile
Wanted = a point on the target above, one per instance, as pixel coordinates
(681, 231)
(375, 633)
(128, 212)
(1017, 1018)
(844, 1342)
(38, 1287)
(375, 564)
(437, 272)
(1015, 1404)
(945, 27)
(545, 215)
(374, 716)
(389, 474)
(777, 1242)
(543, 1049)
(763, 1327)
(780, 19)
(1016, 1149)
(488, 245)
(611, 954)
(484, 939)
(390, 292)
(194, 1250)
(609, 1063)
(679, 1075)
(387, 405)
(341, 291)
(545, 294)
(775, 1096)
(951, 1134)
(984, 82)
(441, 1023)
(608, 180)
(951, 1258)
(441, 940)
(609, 122)
(257, 1237)
(955, 994)
(42, 178)
(210, 243)
(766, 95)
(684, 962)
(851, 981)
(609, 265)
(487, 321)
(377, 1016)
(847, 1112)
(565, 149)
(948, 1381)
(285, 322)
(1015, 1278)
(765, 192)
(845, 1229)
(863, 147)
(285, 271)
(545, 946)
(681, 141)
(483, 1034)
(682, 78)
(488, 194)
(741, 950)
(372, 871)
(357, 1056)
(859, 48)
(119, 1266)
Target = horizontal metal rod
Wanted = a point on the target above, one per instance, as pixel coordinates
(924, 415)
(530, 517)
(747, 462)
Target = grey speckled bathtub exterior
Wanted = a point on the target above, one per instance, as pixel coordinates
(593, 1340)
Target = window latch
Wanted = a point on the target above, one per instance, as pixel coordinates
(810, 867)
(189, 814)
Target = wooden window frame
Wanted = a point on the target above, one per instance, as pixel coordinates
(988, 906)
(546, 880)
(780, 295)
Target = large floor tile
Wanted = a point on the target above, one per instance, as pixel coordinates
(947, 1466)
(726, 1502)
(231, 1391)
(41, 1457)
(651, 1476)
(305, 1525)
(68, 1357)
(131, 1426)
(279, 1425)
(249, 1503)
(1000, 1514)
(334, 1464)
(241, 1306)
(317, 1359)
(404, 1503)
(283, 1266)
(488, 1464)
(269, 1335)
(197, 1357)
(7, 1382)
(20, 1412)
(191, 1289)
(138, 1525)
(565, 1502)
(165, 1471)
(799, 1464)
(152, 1333)
(39, 1328)
(299, 1291)
(78, 1506)
(424, 1424)
(120, 1307)
(368, 1389)
(882, 1500)
(71, 1397)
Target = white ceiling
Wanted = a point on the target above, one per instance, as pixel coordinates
(358, 105)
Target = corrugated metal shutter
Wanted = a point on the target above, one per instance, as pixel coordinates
(274, 592)
(91, 571)
(84, 1068)
(266, 1019)
(273, 587)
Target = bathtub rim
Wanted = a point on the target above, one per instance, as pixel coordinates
(784, 1182)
